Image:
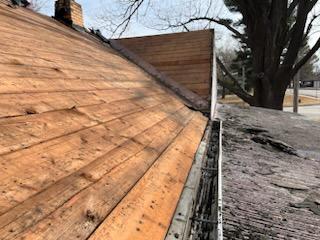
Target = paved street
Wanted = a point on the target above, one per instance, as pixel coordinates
(307, 92)
(312, 112)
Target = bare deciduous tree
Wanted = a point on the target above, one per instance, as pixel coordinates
(37, 5)
(118, 19)
(274, 30)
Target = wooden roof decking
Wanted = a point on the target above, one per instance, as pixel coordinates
(90, 145)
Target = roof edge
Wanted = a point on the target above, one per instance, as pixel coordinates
(180, 225)
(167, 34)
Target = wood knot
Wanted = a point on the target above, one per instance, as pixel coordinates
(91, 216)
(30, 111)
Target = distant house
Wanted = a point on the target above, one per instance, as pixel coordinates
(312, 83)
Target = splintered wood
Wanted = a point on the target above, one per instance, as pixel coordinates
(91, 147)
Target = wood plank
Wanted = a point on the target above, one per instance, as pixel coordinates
(49, 60)
(86, 52)
(146, 211)
(173, 39)
(60, 157)
(59, 60)
(49, 33)
(46, 85)
(12, 105)
(198, 85)
(184, 57)
(184, 51)
(24, 131)
(193, 60)
(203, 92)
(33, 22)
(19, 103)
(51, 53)
(104, 182)
(192, 79)
(108, 111)
(187, 69)
(111, 78)
(202, 51)
(4, 2)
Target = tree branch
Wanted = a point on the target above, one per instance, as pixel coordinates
(37, 5)
(233, 85)
(297, 34)
(304, 8)
(292, 6)
(310, 25)
(306, 58)
(129, 13)
(222, 22)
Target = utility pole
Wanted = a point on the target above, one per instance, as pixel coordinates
(296, 85)
(243, 77)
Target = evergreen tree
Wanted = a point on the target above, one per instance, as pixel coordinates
(242, 67)
(308, 71)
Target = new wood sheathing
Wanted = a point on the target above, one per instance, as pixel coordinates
(90, 145)
(184, 57)
(5, 2)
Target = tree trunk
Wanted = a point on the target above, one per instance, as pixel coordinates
(271, 96)
(273, 101)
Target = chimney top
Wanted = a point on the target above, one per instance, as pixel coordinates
(69, 12)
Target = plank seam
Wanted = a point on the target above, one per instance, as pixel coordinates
(79, 130)
(92, 183)
(133, 186)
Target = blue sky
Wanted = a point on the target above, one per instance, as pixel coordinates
(91, 8)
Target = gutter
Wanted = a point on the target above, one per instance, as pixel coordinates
(198, 215)
(219, 207)
(181, 223)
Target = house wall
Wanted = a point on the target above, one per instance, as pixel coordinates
(184, 57)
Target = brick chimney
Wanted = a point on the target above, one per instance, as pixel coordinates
(69, 12)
